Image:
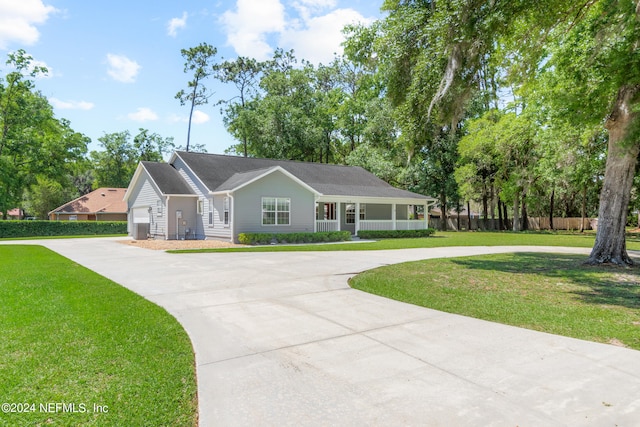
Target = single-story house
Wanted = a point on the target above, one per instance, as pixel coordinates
(15, 213)
(201, 196)
(103, 204)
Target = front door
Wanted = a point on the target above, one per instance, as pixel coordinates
(348, 217)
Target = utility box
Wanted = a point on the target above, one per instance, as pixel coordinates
(141, 231)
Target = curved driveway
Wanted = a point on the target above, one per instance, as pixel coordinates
(280, 339)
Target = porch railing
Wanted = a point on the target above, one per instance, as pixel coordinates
(327, 225)
(381, 224)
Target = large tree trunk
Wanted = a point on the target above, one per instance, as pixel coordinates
(493, 208)
(583, 209)
(516, 211)
(552, 207)
(485, 207)
(525, 217)
(610, 245)
(505, 215)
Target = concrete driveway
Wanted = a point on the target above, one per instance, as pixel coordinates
(280, 339)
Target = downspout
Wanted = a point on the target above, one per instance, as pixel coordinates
(232, 212)
(316, 213)
(166, 225)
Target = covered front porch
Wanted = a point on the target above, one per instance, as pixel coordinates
(369, 214)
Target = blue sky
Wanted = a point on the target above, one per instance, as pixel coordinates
(116, 65)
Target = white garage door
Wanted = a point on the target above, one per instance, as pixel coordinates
(141, 215)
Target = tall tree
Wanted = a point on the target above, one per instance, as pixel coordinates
(594, 43)
(32, 141)
(244, 74)
(115, 164)
(151, 147)
(199, 63)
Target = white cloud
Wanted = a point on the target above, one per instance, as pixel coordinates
(247, 28)
(71, 105)
(122, 68)
(176, 24)
(18, 20)
(199, 117)
(319, 38)
(312, 28)
(143, 114)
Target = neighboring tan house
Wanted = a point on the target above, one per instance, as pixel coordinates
(103, 204)
(200, 196)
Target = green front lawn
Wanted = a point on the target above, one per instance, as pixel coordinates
(545, 292)
(78, 349)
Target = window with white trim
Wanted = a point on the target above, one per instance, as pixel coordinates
(350, 213)
(200, 207)
(276, 211)
(210, 212)
(226, 211)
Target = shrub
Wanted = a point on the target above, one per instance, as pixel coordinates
(12, 229)
(268, 238)
(395, 234)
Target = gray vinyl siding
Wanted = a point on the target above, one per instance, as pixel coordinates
(201, 222)
(145, 194)
(248, 205)
(219, 229)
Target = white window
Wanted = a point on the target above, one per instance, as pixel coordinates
(210, 212)
(159, 207)
(226, 211)
(350, 213)
(276, 211)
(200, 207)
(73, 217)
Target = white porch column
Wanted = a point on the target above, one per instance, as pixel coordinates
(426, 215)
(316, 214)
(357, 217)
(393, 217)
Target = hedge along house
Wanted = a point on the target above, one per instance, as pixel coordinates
(200, 196)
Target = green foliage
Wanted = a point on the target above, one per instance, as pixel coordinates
(268, 238)
(395, 234)
(13, 229)
(45, 195)
(33, 143)
(115, 165)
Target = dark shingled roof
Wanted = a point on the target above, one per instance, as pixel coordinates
(167, 178)
(222, 173)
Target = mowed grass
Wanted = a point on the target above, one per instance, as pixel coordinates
(440, 239)
(71, 337)
(552, 293)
